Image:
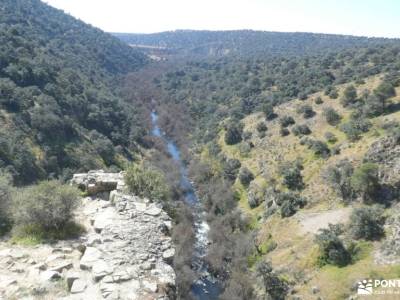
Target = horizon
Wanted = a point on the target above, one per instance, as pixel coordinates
(368, 18)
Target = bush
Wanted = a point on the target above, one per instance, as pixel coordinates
(290, 203)
(367, 223)
(349, 95)
(284, 131)
(318, 147)
(339, 178)
(231, 169)
(262, 127)
(275, 287)
(5, 201)
(268, 111)
(331, 116)
(318, 100)
(245, 176)
(332, 249)
(292, 177)
(330, 137)
(47, 206)
(233, 134)
(146, 183)
(301, 130)
(286, 121)
(306, 110)
(355, 127)
(365, 181)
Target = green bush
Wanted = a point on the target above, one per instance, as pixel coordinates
(318, 100)
(276, 287)
(349, 95)
(262, 127)
(292, 177)
(302, 129)
(146, 182)
(355, 127)
(339, 178)
(284, 131)
(286, 121)
(245, 176)
(331, 116)
(233, 134)
(48, 206)
(332, 249)
(365, 181)
(367, 223)
(330, 137)
(290, 203)
(5, 201)
(306, 110)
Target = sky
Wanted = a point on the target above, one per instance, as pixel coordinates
(356, 17)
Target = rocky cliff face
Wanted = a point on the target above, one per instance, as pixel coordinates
(125, 253)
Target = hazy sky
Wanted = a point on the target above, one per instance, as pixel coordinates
(357, 17)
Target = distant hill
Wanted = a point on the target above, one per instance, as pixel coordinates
(59, 111)
(247, 42)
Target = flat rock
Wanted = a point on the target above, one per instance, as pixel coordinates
(49, 275)
(70, 277)
(100, 269)
(90, 256)
(78, 286)
(150, 286)
(59, 267)
(153, 211)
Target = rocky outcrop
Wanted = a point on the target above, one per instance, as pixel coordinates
(125, 254)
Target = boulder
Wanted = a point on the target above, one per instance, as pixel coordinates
(49, 275)
(90, 256)
(100, 269)
(78, 286)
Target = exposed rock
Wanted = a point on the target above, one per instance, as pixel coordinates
(49, 275)
(90, 256)
(70, 277)
(64, 265)
(98, 181)
(100, 269)
(78, 286)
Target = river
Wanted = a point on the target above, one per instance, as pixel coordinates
(206, 287)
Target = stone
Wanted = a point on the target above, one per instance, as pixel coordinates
(78, 286)
(59, 267)
(150, 286)
(93, 240)
(49, 275)
(54, 257)
(315, 290)
(103, 220)
(168, 255)
(100, 269)
(90, 256)
(153, 211)
(70, 277)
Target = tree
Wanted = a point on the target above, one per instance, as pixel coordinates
(262, 127)
(275, 287)
(332, 117)
(365, 181)
(231, 168)
(5, 201)
(332, 249)
(233, 134)
(290, 203)
(302, 129)
(292, 177)
(306, 110)
(367, 223)
(339, 178)
(286, 121)
(349, 95)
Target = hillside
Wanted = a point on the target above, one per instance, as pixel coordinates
(286, 235)
(245, 43)
(60, 108)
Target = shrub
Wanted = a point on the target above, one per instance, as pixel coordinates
(290, 203)
(284, 131)
(286, 121)
(339, 178)
(292, 177)
(332, 249)
(318, 147)
(349, 95)
(355, 127)
(268, 111)
(301, 130)
(367, 223)
(5, 201)
(233, 134)
(245, 176)
(147, 183)
(331, 116)
(365, 181)
(306, 110)
(231, 169)
(330, 137)
(275, 287)
(48, 206)
(318, 100)
(262, 127)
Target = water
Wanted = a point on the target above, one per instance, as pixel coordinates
(206, 287)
